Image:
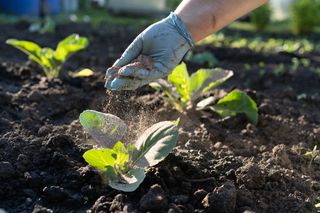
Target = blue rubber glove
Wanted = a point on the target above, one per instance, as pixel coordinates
(166, 42)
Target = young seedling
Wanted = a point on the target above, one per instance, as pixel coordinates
(183, 90)
(314, 154)
(51, 60)
(233, 103)
(124, 165)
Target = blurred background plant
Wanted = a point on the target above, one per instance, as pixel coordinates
(305, 15)
(173, 4)
(260, 17)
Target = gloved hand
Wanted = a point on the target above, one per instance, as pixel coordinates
(166, 42)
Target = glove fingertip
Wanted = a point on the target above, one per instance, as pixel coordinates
(117, 83)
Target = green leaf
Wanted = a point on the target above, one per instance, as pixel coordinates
(71, 44)
(122, 155)
(155, 144)
(237, 102)
(83, 73)
(128, 182)
(181, 80)
(100, 158)
(111, 173)
(205, 79)
(31, 49)
(90, 119)
(217, 76)
(106, 129)
(177, 122)
(47, 57)
(206, 103)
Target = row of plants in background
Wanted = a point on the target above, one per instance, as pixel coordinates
(184, 92)
(124, 165)
(51, 61)
(260, 44)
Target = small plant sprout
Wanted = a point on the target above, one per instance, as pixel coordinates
(124, 164)
(183, 90)
(314, 154)
(233, 103)
(51, 60)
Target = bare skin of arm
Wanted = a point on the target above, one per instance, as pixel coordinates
(204, 17)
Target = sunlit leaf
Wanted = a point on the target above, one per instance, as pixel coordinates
(122, 154)
(155, 143)
(106, 129)
(47, 57)
(237, 102)
(71, 44)
(100, 158)
(181, 80)
(206, 103)
(30, 48)
(84, 73)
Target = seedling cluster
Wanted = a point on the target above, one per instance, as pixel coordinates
(124, 164)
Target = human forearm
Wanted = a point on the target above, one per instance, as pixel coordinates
(204, 17)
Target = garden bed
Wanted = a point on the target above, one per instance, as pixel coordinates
(219, 165)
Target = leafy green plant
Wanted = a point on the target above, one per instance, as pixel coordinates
(51, 60)
(237, 102)
(304, 15)
(260, 17)
(183, 90)
(124, 165)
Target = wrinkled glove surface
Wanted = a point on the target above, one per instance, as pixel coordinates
(165, 43)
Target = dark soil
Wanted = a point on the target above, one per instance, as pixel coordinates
(220, 165)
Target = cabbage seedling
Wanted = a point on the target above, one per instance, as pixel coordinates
(51, 60)
(233, 103)
(124, 165)
(184, 90)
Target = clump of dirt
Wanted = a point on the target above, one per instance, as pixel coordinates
(143, 61)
